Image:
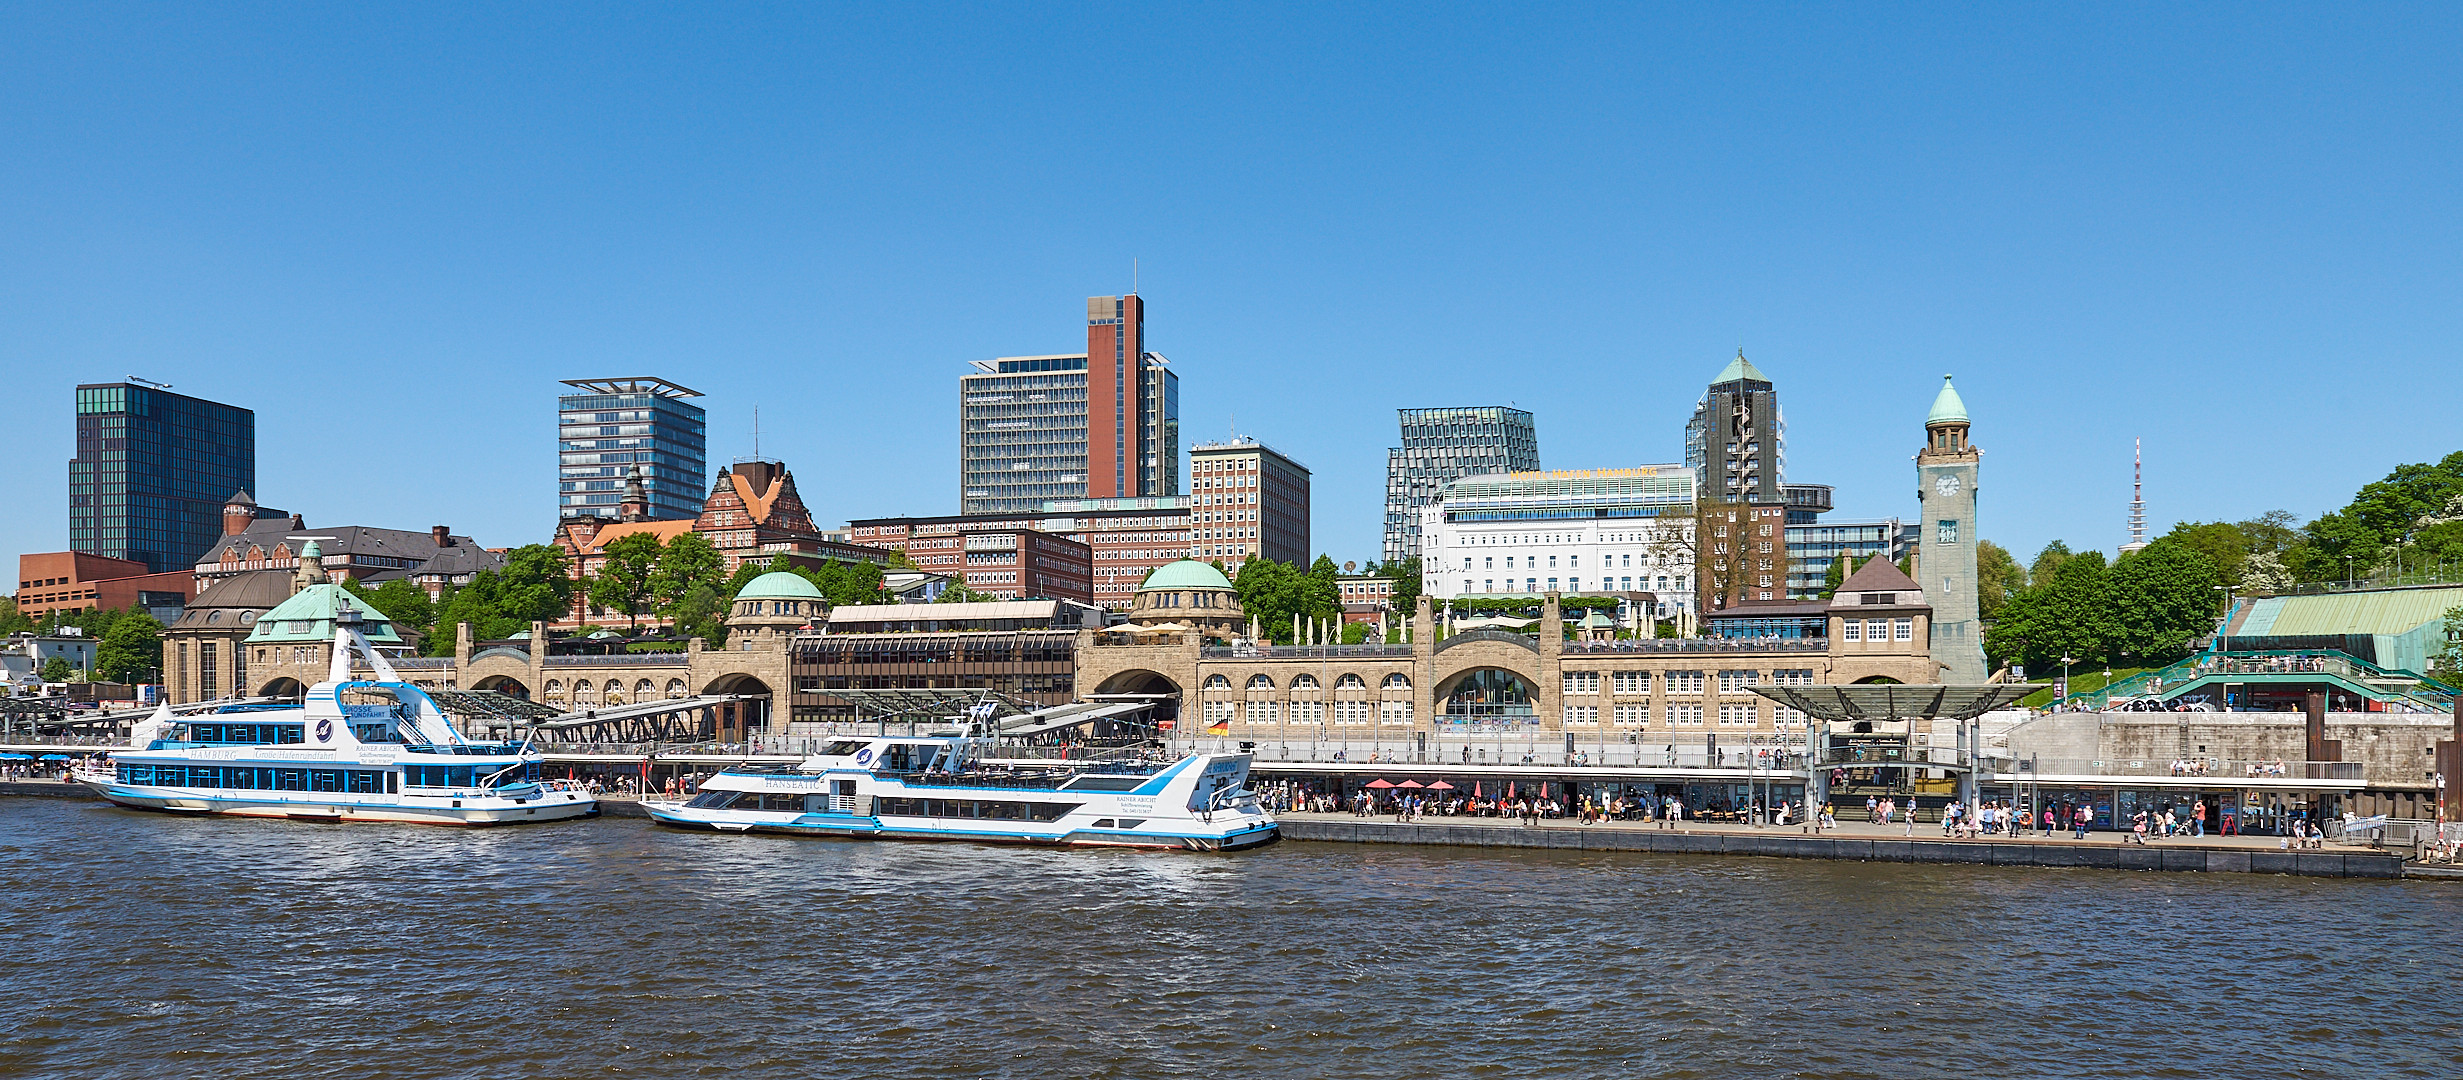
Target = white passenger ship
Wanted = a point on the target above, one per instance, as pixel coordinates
(356, 750)
(937, 787)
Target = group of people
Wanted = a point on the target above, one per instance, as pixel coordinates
(2267, 768)
(2190, 767)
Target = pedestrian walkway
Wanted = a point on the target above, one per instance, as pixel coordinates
(1848, 830)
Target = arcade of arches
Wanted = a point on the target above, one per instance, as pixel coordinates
(1506, 682)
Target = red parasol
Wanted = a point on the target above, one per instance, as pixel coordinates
(1440, 786)
(1409, 784)
(1379, 784)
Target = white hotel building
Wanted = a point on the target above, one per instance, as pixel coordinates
(1590, 532)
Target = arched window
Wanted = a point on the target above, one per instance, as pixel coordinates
(675, 689)
(554, 691)
(1217, 682)
(1350, 682)
(1304, 682)
(1397, 681)
(1260, 682)
(643, 689)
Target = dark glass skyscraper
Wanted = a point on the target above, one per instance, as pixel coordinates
(152, 472)
(613, 425)
(1448, 444)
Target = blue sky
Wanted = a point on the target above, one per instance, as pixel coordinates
(2230, 231)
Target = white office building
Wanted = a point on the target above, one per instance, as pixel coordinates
(1587, 532)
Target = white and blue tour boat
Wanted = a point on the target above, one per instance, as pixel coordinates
(939, 787)
(375, 749)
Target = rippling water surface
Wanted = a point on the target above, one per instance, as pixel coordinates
(151, 946)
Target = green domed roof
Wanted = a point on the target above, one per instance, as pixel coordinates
(1947, 409)
(779, 585)
(1186, 574)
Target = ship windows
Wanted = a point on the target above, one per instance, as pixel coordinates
(712, 800)
(246, 734)
(789, 802)
(250, 778)
(976, 809)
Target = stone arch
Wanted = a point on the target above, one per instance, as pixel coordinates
(1217, 682)
(1305, 681)
(503, 684)
(554, 691)
(1260, 682)
(285, 687)
(676, 689)
(1876, 680)
(582, 693)
(1396, 681)
(644, 690)
(1148, 684)
(1138, 681)
(739, 720)
(1484, 695)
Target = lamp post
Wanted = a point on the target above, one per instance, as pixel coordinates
(2066, 661)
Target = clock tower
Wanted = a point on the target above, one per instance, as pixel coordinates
(1946, 485)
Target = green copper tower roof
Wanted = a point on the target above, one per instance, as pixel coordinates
(309, 615)
(1739, 368)
(1947, 409)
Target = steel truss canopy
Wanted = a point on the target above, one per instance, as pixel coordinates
(488, 705)
(1893, 702)
(939, 701)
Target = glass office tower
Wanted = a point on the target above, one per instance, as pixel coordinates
(612, 425)
(1102, 425)
(152, 472)
(1447, 444)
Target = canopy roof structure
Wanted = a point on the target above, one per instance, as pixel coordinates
(939, 701)
(1898, 701)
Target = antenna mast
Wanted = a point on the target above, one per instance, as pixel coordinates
(2137, 497)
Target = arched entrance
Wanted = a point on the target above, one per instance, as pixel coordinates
(1145, 687)
(738, 720)
(1488, 697)
(504, 684)
(285, 687)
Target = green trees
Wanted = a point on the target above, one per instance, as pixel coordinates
(958, 593)
(2161, 600)
(1405, 574)
(2146, 609)
(13, 621)
(413, 614)
(1272, 592)
(58, 669)
(624, 580)
(131, 651)
(1998, 577)
(686, 564)
(534, 586)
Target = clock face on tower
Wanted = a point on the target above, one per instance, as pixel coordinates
(1947, 486)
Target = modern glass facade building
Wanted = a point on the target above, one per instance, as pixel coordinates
(1025, 422)
(611, 425)
(1811, 548)
(1441, 445)
(152, 472)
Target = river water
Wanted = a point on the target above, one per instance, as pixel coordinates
(141, 945)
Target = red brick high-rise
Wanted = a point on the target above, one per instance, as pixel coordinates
(1115, 341)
